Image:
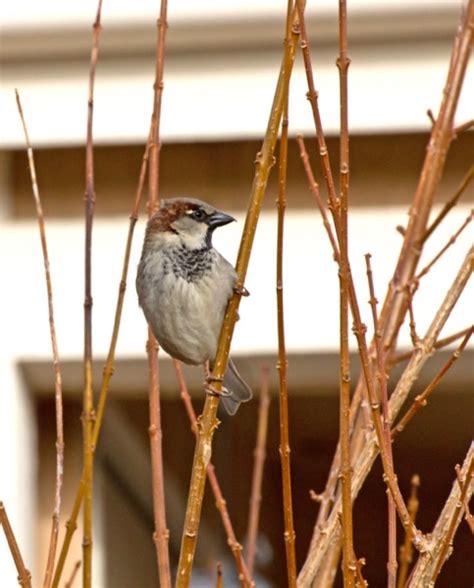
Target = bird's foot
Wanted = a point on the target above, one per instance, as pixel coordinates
(241, 290)
(211, 390)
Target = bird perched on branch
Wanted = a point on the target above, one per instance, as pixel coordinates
(184, 286)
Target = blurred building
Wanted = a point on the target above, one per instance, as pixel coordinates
(220, 73)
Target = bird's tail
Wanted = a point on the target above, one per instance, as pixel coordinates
(239, 389)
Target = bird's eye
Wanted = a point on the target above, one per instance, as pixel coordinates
(198, 214)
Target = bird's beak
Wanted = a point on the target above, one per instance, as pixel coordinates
(219, 219)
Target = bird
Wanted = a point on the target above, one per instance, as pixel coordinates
(184, 284)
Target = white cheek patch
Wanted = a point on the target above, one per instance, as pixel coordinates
(192, 234)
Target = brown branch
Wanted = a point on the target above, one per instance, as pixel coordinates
(73, 575)
(282, 365)
(245, 574)
(312, 96)
(450, 203)
(406, 550)
(24, 576)
(438, 345)
(314, 188)
(88, 400)
(412, 324)
(382, 378)
(450, 242)
(429, 564)
(58, 397)
(359, 328)
(422, 399)
(321, 547)
(257, 475)
(208, 422)
(219, 579)
(71, 524)
(467, 513)
(431, 116)
(348, 555)
(464, 127)
(161, 533)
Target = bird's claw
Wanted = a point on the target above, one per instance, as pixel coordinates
(209, 388)
(241, 290)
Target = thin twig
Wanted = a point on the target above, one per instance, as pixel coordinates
(348, 555)
(71, 524)
(359, 328)
(421, 400)
(245, 575)
(411, 314)
(314, 187)
(24, 576)
(438, 345)
(406, 550)
(88, 400)
(429, 564)
(282, 365)
(463, 127)
(450, 242)
(450, 203)
(161, 533)
(73, 575)
(208, 422)
(257, 475)
(58, 395)
(431, 116)
(382, 378)
(467, 513)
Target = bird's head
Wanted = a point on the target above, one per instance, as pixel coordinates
(185, 221)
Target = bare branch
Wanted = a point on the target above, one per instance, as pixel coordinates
(450, 203)
(257, 476)
(422, 399)
(24, 576)
(245, 575)
(208, 421)
(58, 394)
(88, 415)
(429, 564)
(406, 550)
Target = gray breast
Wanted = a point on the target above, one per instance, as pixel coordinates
(184, 294)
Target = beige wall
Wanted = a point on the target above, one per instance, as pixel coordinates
(384, 170)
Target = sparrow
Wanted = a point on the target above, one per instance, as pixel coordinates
(184, 285)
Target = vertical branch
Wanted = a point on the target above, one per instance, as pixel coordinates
(406, 550)
(24, 576)
(245, 574)
(161, 534)
(257, 476)
(382, 383)
(348, 559)
(58, 397)
(282, 357)
(71, 524)
(208, 422)
(88, 400)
